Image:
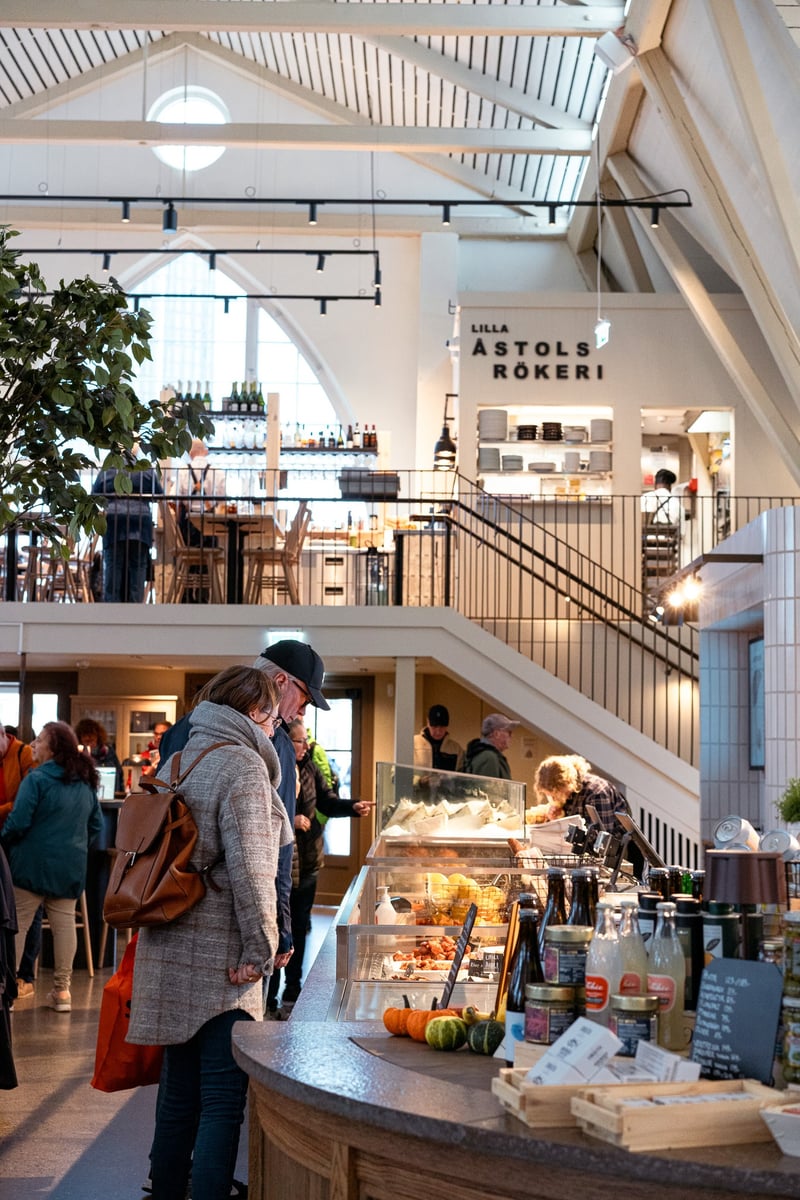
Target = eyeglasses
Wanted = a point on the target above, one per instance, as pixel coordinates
(306, 694)
(269, 719)
(300, 741)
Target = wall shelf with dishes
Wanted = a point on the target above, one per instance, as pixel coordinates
(555, 454)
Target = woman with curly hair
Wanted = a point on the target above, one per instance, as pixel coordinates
(47, 836)
(94, 739)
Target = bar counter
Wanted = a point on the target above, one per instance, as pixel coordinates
(342, 1111)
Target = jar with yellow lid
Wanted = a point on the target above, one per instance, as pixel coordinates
(549, 1012)
(633, 1019)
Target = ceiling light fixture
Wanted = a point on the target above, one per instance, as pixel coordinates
(320, 263)
(106, 262)
(444, 452)
(126, 212)
(312, 212)
(551, 214)
(655, 216)
(212, 261)
(445, 214)
(169, 221)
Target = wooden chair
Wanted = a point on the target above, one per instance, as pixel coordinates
(277, 565)
(193, 566)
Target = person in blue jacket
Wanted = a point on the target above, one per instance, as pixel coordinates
(128, 539)
(47, 835)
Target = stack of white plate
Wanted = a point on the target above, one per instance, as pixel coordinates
(543, 468)
(600, 430)
(488, 458)
(599, 460)
(512, 462)
(574, 433)
(492, 425)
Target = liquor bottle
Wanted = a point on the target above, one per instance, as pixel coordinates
(357, 437)
(331, 439)
(253, 399)
(179, 392)
(340, 440)
(666, 978)
(603, 967)
(310, 442)
(525, 968)
(233, 405)
(555, 906)
(261, 406)
(207, 396)
(298, 436)
(632, 953)
(349, 442)
(579, 909)
(198, 395)
(658, 881)
(374, 442)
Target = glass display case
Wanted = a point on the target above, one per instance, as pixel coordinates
(443, 807)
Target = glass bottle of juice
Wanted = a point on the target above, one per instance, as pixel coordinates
(632, 953)
(603, 967)
(666, 978)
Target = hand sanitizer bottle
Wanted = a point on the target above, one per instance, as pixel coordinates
(384, 912)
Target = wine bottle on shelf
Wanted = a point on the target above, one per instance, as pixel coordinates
(207, 396)
(298, 436)
(349, 441)
(260, 405)
(233, 405)
(374, 438)
(525, 968)
(579, 909)
(555, 905)
(340, 440)
(357, 437)
(253, 400)
(331, 439)
(179, 392)
(198, 395)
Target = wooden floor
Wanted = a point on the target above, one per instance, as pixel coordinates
(59, 1137)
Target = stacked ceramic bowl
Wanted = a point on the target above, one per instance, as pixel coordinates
(600, 430)
(526, 433)
(488, 458)
(599, 460)
(551, 431)
(574, 433)
(492, 425)
(542, 468)
(511, 462)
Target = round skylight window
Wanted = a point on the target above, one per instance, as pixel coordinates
(189, 106)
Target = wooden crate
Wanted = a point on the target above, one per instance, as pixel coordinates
(611, 1113)
(542, 1106)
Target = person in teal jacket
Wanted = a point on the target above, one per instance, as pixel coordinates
(47, 836)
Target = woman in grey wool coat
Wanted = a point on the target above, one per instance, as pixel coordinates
(196, 977)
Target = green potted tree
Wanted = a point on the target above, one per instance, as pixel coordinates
(789, 804)
(66, 368)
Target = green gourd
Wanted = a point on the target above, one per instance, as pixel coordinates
(446, 1033)
(485, 1036)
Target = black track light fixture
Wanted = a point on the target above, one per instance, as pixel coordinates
(106, 262)
(212, 261)
(655, 216)
(126, 212)
(169, 221)
(320, 263)
(323, 308)
(445, 214)
(312, 212)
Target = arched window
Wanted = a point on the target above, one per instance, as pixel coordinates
(195, 342)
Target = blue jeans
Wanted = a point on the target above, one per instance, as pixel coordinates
(125, 566)
(199, 1113)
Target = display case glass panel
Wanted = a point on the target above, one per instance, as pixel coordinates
(419, 803)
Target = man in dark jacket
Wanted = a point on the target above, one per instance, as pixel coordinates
(314, 796)
(484, 755)
(129, 534)
(298, 672)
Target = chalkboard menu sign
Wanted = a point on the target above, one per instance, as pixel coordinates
(737, 1019)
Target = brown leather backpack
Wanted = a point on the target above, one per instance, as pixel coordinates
(151, 880)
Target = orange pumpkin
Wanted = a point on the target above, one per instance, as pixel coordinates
(419, 1018)
(396, 1020)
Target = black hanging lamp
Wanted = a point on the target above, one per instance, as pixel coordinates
(444, 452)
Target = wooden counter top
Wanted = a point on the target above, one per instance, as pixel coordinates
(341, 1109)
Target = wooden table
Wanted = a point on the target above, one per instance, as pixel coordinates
(235, 527)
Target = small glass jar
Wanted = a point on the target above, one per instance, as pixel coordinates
(549, 1011)
(791, 953)
(770, 950)
(565, 949)
(633, 1019)
(790, 1014)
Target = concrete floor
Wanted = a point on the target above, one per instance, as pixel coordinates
(59, 1137)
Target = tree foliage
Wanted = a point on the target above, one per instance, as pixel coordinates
(66, 363)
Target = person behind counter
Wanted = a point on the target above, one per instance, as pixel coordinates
(199, 976)
(93, 738)
(485, 755)
(433, 746)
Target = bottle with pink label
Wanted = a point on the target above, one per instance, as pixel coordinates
(633, 956)
(666, 978)
(603, 964)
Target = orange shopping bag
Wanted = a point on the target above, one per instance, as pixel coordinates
(117, 1064)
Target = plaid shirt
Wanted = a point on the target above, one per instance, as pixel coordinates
(602, 795)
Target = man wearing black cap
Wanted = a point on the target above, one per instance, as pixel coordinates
(298, 672)
(433, 746)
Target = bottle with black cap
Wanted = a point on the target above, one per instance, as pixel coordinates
(525, 968)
